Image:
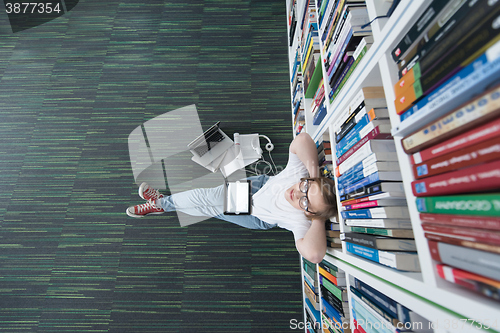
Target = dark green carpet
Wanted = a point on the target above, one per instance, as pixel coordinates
(71, 91)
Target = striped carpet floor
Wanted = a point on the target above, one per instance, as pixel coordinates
(71, 91)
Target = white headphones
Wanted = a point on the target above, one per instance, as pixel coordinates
(269, 145)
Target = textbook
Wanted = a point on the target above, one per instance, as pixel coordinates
(482, 152)
(474, 261)
(379, 223)
(369, 180)
(478, 178)
(483, 285)
(377, 196)
(393, 189)
(375, 203)
(382, 150)
(365, 168)
(463, 242)
(404, 261)
(484, 107)
(469, 81)
(418, 29)
(380, 242)
(473, 235)
(362, 128)
(369, 97)
(462, 35)
(481, 222)
(397, 233)
(479, 134)
(377, 213)
(486, 204)
(371, 316)
(381, 132)
(370, 171)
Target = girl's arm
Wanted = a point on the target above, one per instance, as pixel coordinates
(305, 149)
(313, 245)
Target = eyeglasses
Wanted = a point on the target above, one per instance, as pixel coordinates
(304, 188)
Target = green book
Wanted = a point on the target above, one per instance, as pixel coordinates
(398, 233)
(468, 204)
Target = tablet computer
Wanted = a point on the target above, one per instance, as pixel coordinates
(237, 197)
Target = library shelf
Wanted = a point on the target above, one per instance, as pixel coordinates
(424, 292)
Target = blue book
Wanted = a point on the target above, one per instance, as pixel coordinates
(330, 311)
(314, 312)
(320, 115)
(461, 87)
(370, 319)
(406, 261)
(353, 134)
(366, 181)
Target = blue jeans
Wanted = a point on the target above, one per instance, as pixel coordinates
(209, 202)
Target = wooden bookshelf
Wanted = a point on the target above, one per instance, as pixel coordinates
(424, 292)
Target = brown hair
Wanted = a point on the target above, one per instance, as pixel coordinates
(327, 186)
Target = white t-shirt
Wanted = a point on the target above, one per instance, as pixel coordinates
(271, 206)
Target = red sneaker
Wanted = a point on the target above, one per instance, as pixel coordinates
(144, 209)
(148, 193)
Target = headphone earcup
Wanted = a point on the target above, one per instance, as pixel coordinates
(269, 146)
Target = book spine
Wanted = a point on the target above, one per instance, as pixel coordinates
(358, 55)
(332, 300)
(475, 261)
(379, 223)
(463, 242)
(479, 153)
(470, 204)
(367, 181)
(476, 135)
(481, 222)
(452, 40)
(349, 123)
(486, 236)
(479, 178)
(381, 300)
(472, 113)
(417, 29)
(374, 134)
(332, 288)
(371, 316)
(461, 87)
(328, 275)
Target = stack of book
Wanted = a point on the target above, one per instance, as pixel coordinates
(371, 308)
(318, 105)
(344, 40)
(334, 300)
(297, 93)
(448, 56)
(311, 290)
(333, 234)
(370, 185)
(309, 46)
(456, 165)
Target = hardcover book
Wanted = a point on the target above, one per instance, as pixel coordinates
(474, 261)
(397, 233)
(380, 242)
(487, 204)
(404, 261)
(379, 223)
(482, 152)
(478, 178)
(475, 112)
(470, 221)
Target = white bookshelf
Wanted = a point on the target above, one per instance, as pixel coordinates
(424, 292)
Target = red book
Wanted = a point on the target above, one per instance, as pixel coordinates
(465, 278)
(374, 134)
(473, 235)
(479, 134)
(478, 178)
(481, 222)
(479, 153)
(463, 242)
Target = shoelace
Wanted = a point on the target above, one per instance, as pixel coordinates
(152, 193)
(146, 206)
